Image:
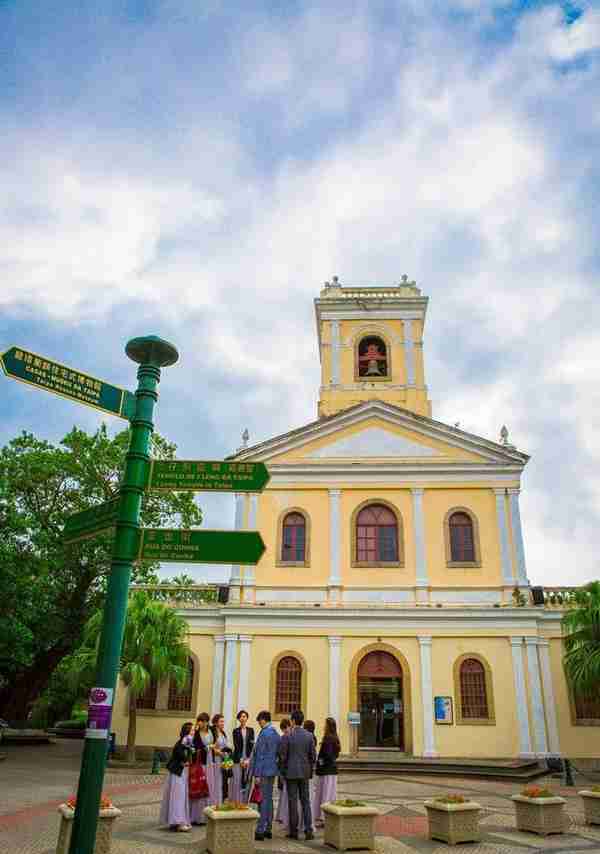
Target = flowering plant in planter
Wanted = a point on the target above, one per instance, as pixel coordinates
(539, 811)
(536, 792)
(230, 806)
(453, 818)
(591, 804)
(348, 802)
(105, 802)
(452, 799)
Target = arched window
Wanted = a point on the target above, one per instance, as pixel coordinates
(473, 691)
(181, 701)
(372, 358)
(462, 540)
(288, 685)
(376, 535)
(293, 538)
(147, 700)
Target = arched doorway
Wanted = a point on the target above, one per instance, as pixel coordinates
(381, 701)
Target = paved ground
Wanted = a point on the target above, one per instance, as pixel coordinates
(34, 780)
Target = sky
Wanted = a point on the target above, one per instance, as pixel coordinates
(197, 169)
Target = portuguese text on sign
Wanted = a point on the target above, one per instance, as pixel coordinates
(207, 475)
(88, 523)
(28, 367)
(178, 545)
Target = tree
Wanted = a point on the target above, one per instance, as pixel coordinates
(581, 625)
(154, 648)
(50, 591)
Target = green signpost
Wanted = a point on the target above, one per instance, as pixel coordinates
(88, 523)
(238, 547)
(28, 367)
(201, 475)
(130, 543)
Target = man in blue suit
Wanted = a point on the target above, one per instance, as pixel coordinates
(264, 769)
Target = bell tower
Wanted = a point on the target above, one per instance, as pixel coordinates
(371, 346)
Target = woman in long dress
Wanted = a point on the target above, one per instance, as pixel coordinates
(174, 809)
(202, 742)
(243, 744)
(220, 748)
(283, 812)
(326, 782)
(310, 727)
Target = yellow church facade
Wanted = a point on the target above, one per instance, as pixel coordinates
(393, 593)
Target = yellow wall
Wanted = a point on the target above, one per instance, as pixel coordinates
(583, 741)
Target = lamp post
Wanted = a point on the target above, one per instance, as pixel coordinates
(152, 354)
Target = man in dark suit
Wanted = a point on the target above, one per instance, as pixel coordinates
(297, 757)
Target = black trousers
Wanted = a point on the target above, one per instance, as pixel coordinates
(299, 789)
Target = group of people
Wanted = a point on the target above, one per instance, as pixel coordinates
(246, 768)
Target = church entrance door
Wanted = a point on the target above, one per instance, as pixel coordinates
(380, 702)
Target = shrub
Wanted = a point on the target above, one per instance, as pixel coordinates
(349, 803)
(596, 790)
(536, 792)
(230, 806)
(452, 799)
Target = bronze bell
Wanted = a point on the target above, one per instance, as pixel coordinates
(373, 368)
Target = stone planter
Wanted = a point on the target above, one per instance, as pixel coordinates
(540, 815)
(230, 831)
(348, 828)
(106, 820)
(453, 823)
(591, 806)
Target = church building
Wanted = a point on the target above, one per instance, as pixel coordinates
(393, 594)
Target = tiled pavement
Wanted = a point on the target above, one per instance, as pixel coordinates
(34, 780)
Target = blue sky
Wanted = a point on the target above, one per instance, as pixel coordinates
(197, 170)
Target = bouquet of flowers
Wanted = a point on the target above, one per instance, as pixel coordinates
(227, 764)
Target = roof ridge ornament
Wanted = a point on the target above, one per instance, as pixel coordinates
(245, 438)
(404, 283)
(504, 437)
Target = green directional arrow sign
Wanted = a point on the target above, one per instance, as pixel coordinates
(210, 475)
(30, 368)
(88, 523)
(238, 547)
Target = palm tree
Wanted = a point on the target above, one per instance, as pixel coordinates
(581, 626)
(154, 648)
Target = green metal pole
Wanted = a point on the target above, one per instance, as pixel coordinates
(151, 353)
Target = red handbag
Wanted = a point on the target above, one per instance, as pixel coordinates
(198, 785)
(255, 794)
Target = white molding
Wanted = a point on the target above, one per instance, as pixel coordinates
(217, 684)
(245, 670)
(286, 594)
(535, 691)
(381, 595)
(425, 644)
(515, 517)
(549, 703)
(335, 659)
(516, 644)
(420, 424)
(409, 352)
(238, 523)
(253, 511)
(231, 641)
(507, 576)
(385, 314)
(419, 537)
(289, 476)
(466, 596)
(335, 535)
(335, 352)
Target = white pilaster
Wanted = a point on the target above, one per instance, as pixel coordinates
(244, 680)
(507, 577)
(236, 572)
(409, 352)
(335, 352)
(548, 689)
(335, 655)
(521, 697)
(515, 518)
(419, 536)
(535, 691)
(217, 684)
(335, 576)
(427, 696)
(230, 662)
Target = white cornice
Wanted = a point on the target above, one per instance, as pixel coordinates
(419, 424)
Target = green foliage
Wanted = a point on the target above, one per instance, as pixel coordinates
(348, 802)
(581, 625)
(154, 648)
(451, 799)
(168, 591)
(50, 591)
(519, 598)
(78, 723)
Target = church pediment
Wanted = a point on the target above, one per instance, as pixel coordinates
(376, 430)
(370, 443)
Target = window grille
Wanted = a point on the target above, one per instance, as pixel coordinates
(587, 706)
(147, 700)
(462, 543)
(473, 693)
(288, 686)
(293, 544)
(181, 701)
(376, 535)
